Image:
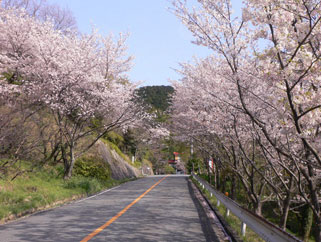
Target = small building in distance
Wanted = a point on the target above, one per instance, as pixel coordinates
(177, 164)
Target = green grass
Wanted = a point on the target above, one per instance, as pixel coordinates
(43, 189)
(232, 220)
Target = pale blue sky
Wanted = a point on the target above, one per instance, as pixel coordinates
(158, 40)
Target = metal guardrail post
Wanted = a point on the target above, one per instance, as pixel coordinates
(227, 212)
(259, 225)
(243, 229)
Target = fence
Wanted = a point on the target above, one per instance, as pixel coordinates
(259, 225)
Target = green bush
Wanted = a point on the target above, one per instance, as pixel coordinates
(88, 166)
(169, 170)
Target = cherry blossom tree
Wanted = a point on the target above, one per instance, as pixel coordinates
(275, 89)
(63, 19)
(78, 78)
(215, 125)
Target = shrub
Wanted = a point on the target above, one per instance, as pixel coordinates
(89, 166)
(169, 170)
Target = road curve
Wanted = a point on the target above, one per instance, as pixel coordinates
(151, 210)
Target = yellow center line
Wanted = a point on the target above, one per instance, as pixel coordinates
(98, 230)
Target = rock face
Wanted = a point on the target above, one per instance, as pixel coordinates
(120, 169)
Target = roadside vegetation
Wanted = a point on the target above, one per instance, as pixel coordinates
(297, 224)
(26, 187)
(233, 221)
(44, 188)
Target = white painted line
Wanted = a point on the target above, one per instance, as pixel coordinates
(167, 175)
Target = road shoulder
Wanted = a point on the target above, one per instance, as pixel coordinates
(211, 226)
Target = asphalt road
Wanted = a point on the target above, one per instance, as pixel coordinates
(168, 212)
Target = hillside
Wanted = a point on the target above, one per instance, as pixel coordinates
(159, 97)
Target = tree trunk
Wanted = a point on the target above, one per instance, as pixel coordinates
(286, 208)
(317, 230)
(309, 174)
(223, 184)
(69, 170)
(65, 160)
(218, 179)
(214, 173)
(286, 205)
(308, 224)
(258, 208)
(233, 187)
(234, 178)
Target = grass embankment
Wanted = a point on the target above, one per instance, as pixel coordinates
(44, 189)
(232, 220)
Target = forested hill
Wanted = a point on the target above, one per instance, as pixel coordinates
(159, 97)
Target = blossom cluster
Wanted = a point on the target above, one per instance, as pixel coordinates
(79, 74)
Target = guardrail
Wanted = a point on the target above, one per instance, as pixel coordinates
(259, 225)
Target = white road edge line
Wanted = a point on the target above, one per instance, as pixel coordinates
(97, 194)
(174, 175)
